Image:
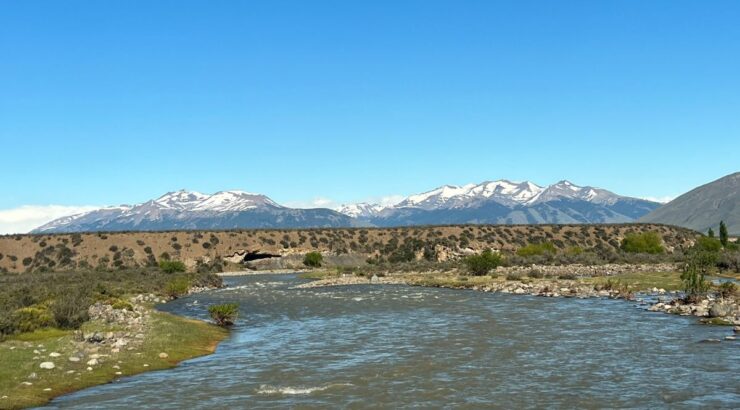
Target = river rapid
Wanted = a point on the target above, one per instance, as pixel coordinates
(390, 346)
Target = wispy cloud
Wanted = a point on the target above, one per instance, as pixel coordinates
(661, 199)
(27, 217)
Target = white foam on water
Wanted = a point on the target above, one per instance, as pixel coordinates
(357, 299)
(288, 390)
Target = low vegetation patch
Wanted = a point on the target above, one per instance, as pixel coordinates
(645, 242)
(61, 299)
(480, 265)
(224, 314)
(313, 259)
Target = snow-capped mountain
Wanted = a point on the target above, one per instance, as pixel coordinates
(494, 202)
(451, 196)
(194, 210)
(504, 201)
(360, 210)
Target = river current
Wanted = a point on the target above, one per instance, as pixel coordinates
(371, 346)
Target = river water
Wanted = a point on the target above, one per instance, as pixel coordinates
(397, 346)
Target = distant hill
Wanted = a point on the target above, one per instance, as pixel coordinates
(113, 250)
(703, 207)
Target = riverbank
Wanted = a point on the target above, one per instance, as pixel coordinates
(115, 343)
(660, 291)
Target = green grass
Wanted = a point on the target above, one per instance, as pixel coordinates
(179, 337)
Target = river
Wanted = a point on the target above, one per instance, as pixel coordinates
(398, 346)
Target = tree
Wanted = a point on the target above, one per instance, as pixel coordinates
(313, 259)
(710, 233)
(723, 233)
(480, 265)
(695, 269)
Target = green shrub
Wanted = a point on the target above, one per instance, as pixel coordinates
(514, 276)
(313, 259)
(535, 274)
(707, 244)
(177, 287)
(534, 249)
(30, 318)
(169, 266)
(120, 304)
(224, 314)
(645, 242)
(479, 265)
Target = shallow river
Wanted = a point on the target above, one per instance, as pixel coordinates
(397, 346)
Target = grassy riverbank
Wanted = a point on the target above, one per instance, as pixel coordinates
(64, 331)
(23, 383)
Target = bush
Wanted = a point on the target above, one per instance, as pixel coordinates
(727, 290)
(313, 259)
(646, 242)
(168, 266)
(535, 274)
(480, 265)
(30, 318)
(70, 309)
(177, 287)
(225, 314)
(534, 249)
(514, 276)
(707, 244)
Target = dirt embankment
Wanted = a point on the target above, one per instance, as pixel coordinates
(20, 253)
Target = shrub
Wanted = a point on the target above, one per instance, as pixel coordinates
(535, 274)
(707, 244)
(169, 266)
(645, 242)
(727, 289)
(480, 265)
(177, 287)
(70, 309)
(120, 304)
(30, 318)
(224, 314)
(514, 276)
(695, 268)
(313, 259)
(534, 249)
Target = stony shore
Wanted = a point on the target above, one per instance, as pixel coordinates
(721, 311)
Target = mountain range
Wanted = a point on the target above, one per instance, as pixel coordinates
(490, 202)
(704, 207)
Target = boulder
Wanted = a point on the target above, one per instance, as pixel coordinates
(720, 309)
(47, 365)
(163, 355)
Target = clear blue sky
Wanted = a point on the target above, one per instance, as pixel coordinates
(107, 102)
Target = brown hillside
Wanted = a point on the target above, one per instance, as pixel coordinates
(19, 253)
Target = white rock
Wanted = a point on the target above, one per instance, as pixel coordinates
(54, 354)
(74, 359)
(89, 369)
(47, 365)
(92, 362)
(163, 355)
(47, 389)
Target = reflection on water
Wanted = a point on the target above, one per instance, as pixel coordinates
(391, 346)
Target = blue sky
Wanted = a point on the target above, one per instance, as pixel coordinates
(119, 102)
